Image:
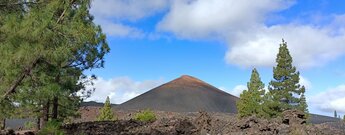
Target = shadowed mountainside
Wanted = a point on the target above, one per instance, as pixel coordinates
(318, 119)
(96, 104)
(184, 94)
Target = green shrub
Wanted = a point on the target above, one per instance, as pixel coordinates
(29, 125)
(145, 116)
(51, 128)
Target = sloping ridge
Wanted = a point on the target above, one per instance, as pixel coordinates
(184, 94)
(95, 104)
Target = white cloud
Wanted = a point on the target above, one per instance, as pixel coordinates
(121, 89)
(241, 24)
(330, 100)
(127, 9)
(236, 91)
(110, 14)
(120, 30)
(309, 45)
(204, 18)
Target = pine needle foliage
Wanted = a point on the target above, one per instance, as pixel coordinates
(106, 114)
(251, 100)
(284, 90)
(303, 106)
(45, 46)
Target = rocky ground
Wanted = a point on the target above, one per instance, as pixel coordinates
(201, 123)
(293, 122)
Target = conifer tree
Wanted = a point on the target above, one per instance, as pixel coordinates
(106, 112)
(44, 47)
(303, 105)
(335, 114)
(285, 87)
(251, 99)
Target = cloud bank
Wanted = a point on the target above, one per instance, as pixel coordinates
(330, 100)
(252, 43)
(120, 89)
(111, 15)
(240, 24)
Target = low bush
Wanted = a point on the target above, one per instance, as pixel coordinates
(29, 125)
(145, 116)
(51, 128)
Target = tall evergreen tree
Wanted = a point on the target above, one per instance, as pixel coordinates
(284, 89)
(251, 99)
(106, 112)
(335, 114)
(44, 47)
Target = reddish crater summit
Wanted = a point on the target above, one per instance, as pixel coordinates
(184, 94)
(186, 80)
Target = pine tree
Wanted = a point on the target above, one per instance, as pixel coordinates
(251, 99)
(44, 47)
(344, 118)
(335, 114)
(106, 112)
(303, 105)
(285, 86)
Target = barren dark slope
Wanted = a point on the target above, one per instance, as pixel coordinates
(184, 94)
(95, 104)
(318, 119)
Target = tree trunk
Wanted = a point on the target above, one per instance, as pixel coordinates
(56, 101)
(38, 124)
(3, 125)
(45, 114)
(55, 107)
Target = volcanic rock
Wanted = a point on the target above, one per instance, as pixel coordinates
(294, 117)
(202, 124)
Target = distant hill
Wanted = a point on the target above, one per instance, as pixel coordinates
(184, 94)
(96, 104)
(318, 119)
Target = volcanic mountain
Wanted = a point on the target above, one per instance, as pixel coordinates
(184, 94)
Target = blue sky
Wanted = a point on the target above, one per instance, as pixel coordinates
(220, 41)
